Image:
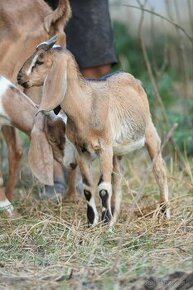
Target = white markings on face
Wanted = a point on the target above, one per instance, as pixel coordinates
(32, 65)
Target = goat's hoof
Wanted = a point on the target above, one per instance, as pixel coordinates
(71, 196)
(7, 207)
(165, 210)
(50, 195)
(55, 192)
(167, 214)
(106, 216)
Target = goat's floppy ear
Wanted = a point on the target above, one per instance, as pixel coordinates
(40, 154)
(55, 85)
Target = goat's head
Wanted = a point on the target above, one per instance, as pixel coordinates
(55, 133)
(48, 143)
(37, 66)
(47, 67)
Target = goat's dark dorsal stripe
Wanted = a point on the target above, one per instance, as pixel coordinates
(103, 78)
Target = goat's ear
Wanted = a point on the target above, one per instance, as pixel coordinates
(40, 154)
(55, 22)
(55, 85)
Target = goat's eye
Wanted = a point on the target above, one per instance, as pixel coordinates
(39, 62)
(53, 139)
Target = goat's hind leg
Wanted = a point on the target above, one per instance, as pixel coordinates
(153, 145)
(117, 192)
(84, 163)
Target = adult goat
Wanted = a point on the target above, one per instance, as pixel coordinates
(47, 133)
(23, 24)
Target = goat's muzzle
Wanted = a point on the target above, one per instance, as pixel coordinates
(22, 82)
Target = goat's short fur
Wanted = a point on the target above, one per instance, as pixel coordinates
(23, 24)
(109, 118)
(47, 133)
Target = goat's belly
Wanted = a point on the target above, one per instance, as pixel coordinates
(127, 147)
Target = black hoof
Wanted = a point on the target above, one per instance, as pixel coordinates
(106, 216)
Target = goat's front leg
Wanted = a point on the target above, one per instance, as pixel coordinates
(5, 204)
(84, 162)
(153, 144)
(104, 184)
(14, 156)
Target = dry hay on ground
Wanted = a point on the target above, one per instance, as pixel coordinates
(49, 246)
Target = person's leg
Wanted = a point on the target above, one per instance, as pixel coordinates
(90, 36)
(97, 71)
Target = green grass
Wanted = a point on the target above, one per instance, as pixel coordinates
(49, 246)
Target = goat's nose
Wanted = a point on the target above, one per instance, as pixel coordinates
(73, 165)
(18, 77)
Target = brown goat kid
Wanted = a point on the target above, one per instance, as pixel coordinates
(108, 118)
(47, 135)
(23, 24)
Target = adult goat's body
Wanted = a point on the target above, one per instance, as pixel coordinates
(23, 24)
(108, 118)
(47, 135)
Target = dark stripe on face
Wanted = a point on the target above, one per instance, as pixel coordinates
(90, 214)
(87, 195)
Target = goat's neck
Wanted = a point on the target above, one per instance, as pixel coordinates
(77, 99)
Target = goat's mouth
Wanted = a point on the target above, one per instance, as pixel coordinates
(24, 84)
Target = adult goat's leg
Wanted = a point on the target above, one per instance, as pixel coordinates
(117, 191)
(71, 193)
(104, 184)
(153, 144)
(84, 163)
(14, 156)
